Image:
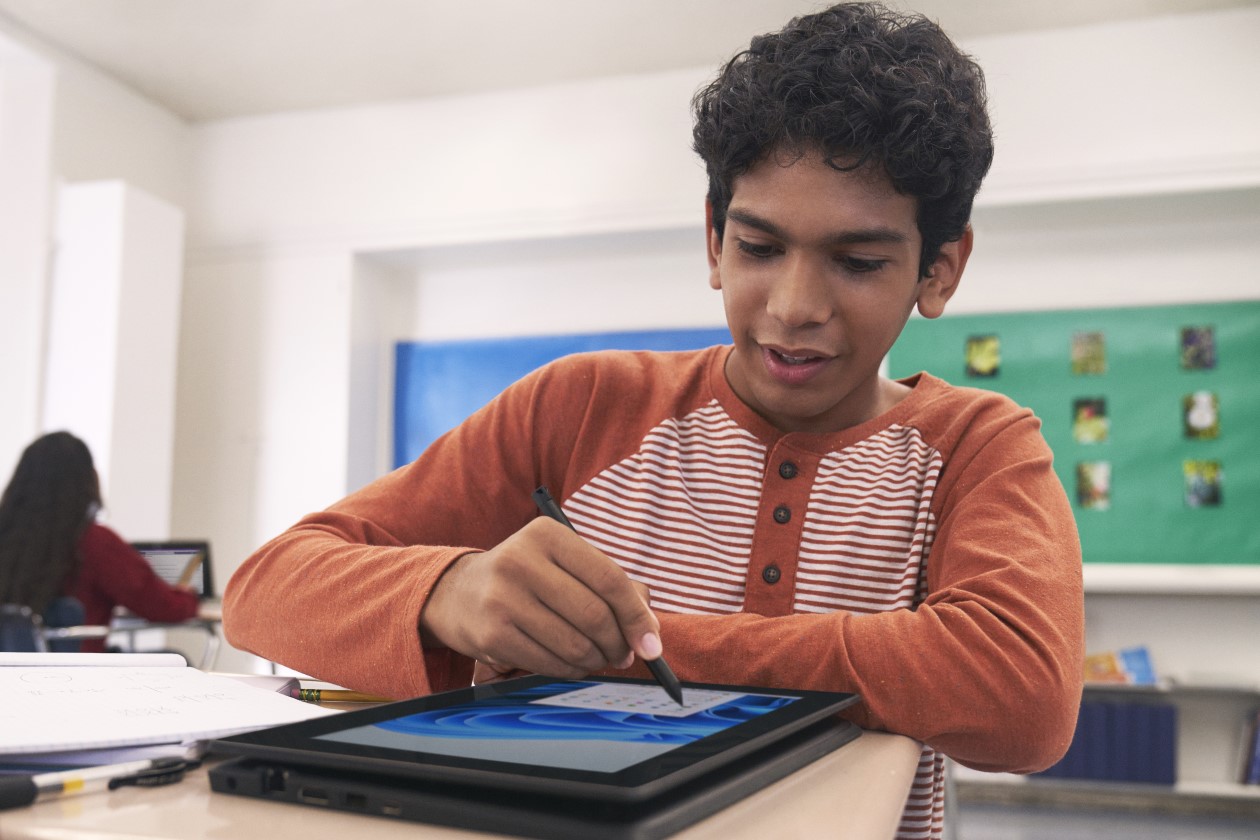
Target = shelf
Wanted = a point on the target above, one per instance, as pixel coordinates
(1230, 790)
(1160, 579)
(1190, 798)
(1173, 689)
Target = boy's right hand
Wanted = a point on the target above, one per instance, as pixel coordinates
(545, 601)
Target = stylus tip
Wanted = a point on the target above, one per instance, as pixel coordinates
(665, 676)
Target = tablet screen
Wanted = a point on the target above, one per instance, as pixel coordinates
(594, 726)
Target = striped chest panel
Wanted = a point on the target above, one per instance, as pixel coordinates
(868, 526)
(680, 515)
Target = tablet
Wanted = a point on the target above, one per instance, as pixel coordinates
(529, 814)
(606, 739)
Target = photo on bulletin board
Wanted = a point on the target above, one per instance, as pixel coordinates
(1089, 353)
(1153, 415)
(437, 384)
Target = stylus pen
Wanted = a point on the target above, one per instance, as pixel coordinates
(659, 668)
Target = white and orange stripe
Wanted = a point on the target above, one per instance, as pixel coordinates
(680, 515)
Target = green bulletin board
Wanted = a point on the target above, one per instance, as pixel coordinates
(1153, 415)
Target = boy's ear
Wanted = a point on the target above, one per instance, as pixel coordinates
(942, 278)
(713, 246)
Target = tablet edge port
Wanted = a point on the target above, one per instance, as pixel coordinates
(314, 796)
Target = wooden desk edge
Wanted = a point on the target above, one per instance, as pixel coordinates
(858, 790)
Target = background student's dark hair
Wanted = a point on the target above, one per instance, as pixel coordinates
(865, 85)
(52, 497)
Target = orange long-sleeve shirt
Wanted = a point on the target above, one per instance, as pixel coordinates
(926, 559)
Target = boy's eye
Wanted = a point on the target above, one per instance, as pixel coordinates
(858, 265)
(848, 262)
(755, 249)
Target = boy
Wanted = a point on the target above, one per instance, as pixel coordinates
(798, 520)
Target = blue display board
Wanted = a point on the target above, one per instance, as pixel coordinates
(439, 383)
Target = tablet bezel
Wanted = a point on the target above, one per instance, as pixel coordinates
(298, 743)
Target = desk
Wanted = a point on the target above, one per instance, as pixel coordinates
(856, 792)
(209, 617)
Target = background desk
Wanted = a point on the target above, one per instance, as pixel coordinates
(207, 623)
(856, 792)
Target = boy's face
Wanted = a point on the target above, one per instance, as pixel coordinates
(819, 270)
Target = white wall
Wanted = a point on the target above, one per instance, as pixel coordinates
(265, 351)
(381, 295)
(1142, 107)
(589, 156)
(82, 318)
(105, 131)
(583, 283)
(26, 95)
(113, 327)
(61, 121)
(1124, 251)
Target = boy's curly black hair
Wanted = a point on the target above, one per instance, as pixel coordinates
(862, 85)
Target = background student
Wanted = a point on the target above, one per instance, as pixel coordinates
(799, 520)
(52, 547)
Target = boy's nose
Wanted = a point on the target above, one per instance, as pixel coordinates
(800, 296)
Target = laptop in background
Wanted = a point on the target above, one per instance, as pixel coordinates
(181, 562)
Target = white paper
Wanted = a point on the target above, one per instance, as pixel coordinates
(67, 759)
(112, 660)
(52, 708)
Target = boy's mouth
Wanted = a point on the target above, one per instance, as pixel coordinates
(793, 367)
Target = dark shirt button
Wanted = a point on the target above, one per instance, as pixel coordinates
(771, 574)
(787, 470)
(782, 514)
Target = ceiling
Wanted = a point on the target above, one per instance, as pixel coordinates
(215, 59)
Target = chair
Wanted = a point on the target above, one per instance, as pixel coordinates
(64, 628)
(23, 631)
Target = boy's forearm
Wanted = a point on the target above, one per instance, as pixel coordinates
(992, 694)
(315, 601)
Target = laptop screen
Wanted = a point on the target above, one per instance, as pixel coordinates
(181, 563)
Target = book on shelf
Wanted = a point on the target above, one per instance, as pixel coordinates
(65, 709)
(1128, 666)
(1122, 741)
(1251, 751)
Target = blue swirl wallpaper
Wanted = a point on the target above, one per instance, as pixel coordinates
(517, 716)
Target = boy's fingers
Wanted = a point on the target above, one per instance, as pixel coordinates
(634, 620)
(538, 641)
(545, 600)
(586, 631)
(650, 644)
